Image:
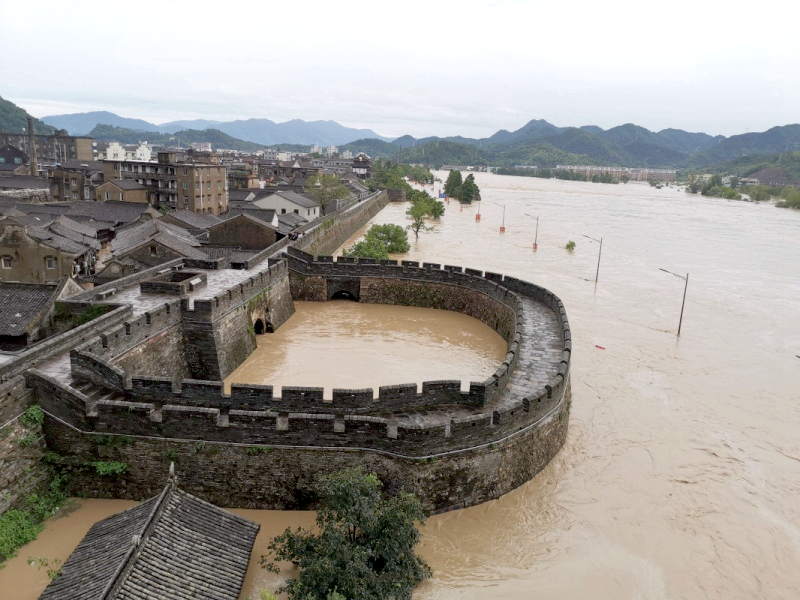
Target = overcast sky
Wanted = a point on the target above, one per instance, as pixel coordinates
(418, 67)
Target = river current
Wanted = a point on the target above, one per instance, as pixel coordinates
(681, 470)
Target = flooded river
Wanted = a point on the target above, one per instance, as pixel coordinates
(681, 470)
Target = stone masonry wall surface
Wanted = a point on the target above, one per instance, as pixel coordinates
(264, 476)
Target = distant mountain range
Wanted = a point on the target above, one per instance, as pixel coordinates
(260, 131)
(536, 143)
(543, 144)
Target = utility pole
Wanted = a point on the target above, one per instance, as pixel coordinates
(600, 241)
(536, 237)
(685, 287)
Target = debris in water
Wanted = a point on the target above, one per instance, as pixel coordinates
(601, 348)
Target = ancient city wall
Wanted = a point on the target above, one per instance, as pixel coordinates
(279, 477)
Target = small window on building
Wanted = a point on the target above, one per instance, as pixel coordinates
(108, 196)
(185, 171)
(297, 212)
(50, 262)
(185, 185)
(153, 251)
(6, 262)
(283, 211)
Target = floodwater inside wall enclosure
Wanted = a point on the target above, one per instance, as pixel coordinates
(679, 476)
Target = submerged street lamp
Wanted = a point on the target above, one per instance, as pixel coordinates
(600, 241)
(536, 237)
(503, 226)
(478, 215)
(685, 287)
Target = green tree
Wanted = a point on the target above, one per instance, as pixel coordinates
(365, 546)
(453, 183)
(325, 188)
(380, 241)
(468, 191)
(418, 212)
(423, 207)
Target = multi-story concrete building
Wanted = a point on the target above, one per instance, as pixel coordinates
(75, 180)
(51, 149)
(199, 187)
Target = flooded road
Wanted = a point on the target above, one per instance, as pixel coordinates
(681, 471)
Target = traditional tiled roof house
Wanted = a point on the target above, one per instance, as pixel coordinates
(171, 547)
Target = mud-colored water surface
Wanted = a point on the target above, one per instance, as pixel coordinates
(345, 344)
(681, 471)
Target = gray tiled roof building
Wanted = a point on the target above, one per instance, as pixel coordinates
(171, 547)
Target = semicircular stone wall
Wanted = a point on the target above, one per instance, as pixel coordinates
(262, 447)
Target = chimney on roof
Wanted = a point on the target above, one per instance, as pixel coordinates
(32, 148)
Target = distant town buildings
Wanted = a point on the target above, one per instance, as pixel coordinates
(116, 151)
(633, 174)
(199, 187)
(51, 149)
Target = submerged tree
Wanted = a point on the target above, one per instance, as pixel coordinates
(365, 546)
(380, 241)
(453, 183)
(423, 207)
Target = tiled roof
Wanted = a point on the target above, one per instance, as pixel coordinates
(128, 184)
(187, 548)
(81, 228)
(193, 219)
(115, 212)
(53, 240)
(262, 214)
(298, 199)
(134, 237)
(73, 235)
(23, 305)
(24, 182)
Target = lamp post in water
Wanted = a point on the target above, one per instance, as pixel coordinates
(600, 241)
(478, 215)
(685, 287)
(536, 237)
(503, 226)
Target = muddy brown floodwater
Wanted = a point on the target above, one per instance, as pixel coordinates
(681, 471)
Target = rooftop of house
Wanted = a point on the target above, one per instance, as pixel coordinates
(172, 546)
(127, 184)
(298, 199)
(24, 182)
(171, 236)
(23, 306)
(56, 241)
(194, 220)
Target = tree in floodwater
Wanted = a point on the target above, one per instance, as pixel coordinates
(423, 207)
(380, 241)
(365, 546)
(453, 183)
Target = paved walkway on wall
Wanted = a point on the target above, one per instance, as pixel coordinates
(537, 363)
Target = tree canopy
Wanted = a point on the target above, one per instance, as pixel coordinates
(380, 241)
(365, 546)
(324, 188)
(464, 191)
(423, 207)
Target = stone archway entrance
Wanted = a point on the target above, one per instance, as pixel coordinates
(348, 289)
(344, 295)
(259, 327)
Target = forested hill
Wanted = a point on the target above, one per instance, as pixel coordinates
(216, 138)
(542, 144)
(14, 119)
